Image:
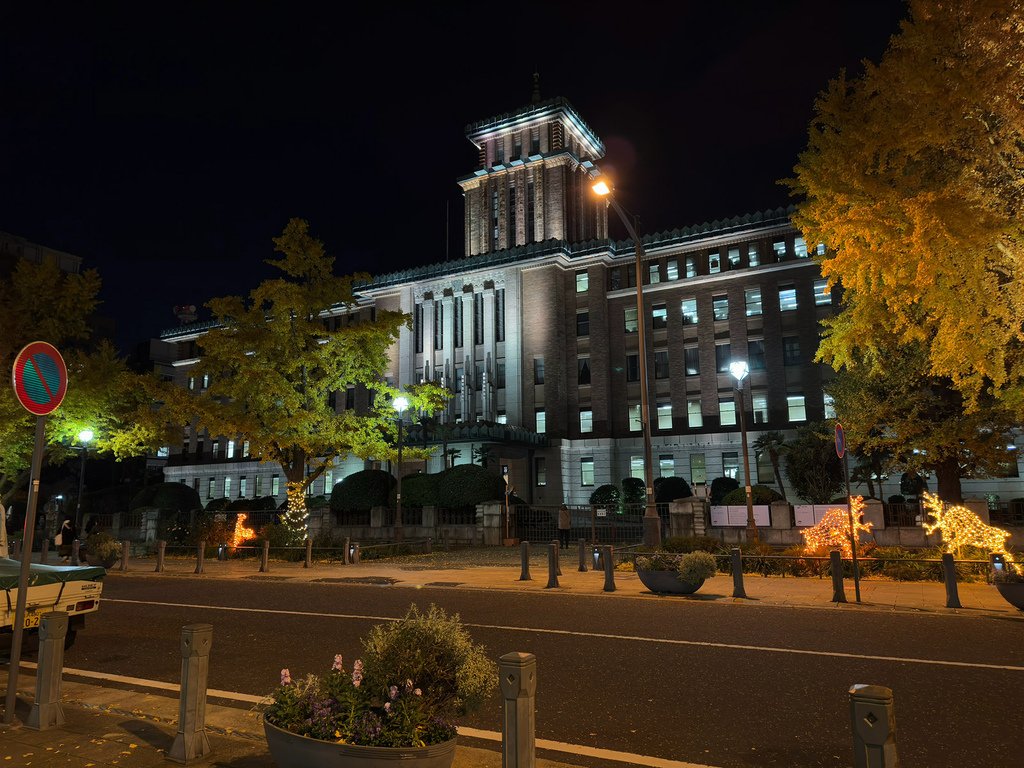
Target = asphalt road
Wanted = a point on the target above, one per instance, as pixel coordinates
(729, 685)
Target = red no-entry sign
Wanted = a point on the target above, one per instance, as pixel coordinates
(40, 378)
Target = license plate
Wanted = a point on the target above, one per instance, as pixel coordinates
(31, 620)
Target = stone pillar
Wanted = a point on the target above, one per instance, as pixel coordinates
(489, 522)
(518, 675)
(681, 518)
(150, 523)
(377, 517)
(46, 711)
(874, 513)
(191, 742)
(874, 727)
(782, 515)
(978, 507)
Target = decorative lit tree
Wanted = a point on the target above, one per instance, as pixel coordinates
(833, 530)
(959, 528)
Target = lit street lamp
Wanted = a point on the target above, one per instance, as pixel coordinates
(83, 437)
(399, 404)
(652, 522)
(739, 370)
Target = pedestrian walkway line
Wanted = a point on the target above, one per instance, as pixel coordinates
(598, 635)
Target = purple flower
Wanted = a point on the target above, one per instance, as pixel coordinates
(286, 677)
(393, 692)
(337, 665)
(357, 672)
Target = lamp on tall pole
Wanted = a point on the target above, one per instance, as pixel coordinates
(652, 522)
(83, 437)
(740, 370)
(399, 404)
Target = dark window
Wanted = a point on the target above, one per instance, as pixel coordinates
(661, 364)
(723, 356)
(791, 350)
(438, 325)
(538, 370)
(582, 323)
(478, 318)
(755, 355)
(512, 216)
(529, 213)
(659, 316)
(499, 375)
(499, 314)
(632, 367)
(583, 372)
(691, 358)
(457, 313)
(418, 327)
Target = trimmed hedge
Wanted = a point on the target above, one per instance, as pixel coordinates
(720, 486)
(668, 489)
(761, 494)
(420, 490)
(362, 491)
(607, 495)
(467, 485)
(167, 496)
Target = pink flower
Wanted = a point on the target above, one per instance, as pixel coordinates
(393, 692)
(418, 692)
(337, 666)
(387, 707)
(357, 672)
(286, 677)
(408, 685)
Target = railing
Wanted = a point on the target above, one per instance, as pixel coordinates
(1010, 513)
(455, 515)
(901, 515)
(592, 523)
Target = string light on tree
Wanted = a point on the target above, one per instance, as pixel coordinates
(959, 527)
(833, 530)
(294, 517)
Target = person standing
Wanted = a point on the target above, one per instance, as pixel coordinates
(65, 538)
(564, 524)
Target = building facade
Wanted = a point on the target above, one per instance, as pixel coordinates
(535, 332)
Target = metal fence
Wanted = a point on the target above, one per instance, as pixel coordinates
(901, 515)
(1009, 513)
(596, 524)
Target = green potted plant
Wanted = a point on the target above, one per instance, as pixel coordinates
(102, 549)
(676, 574)
(397, 703)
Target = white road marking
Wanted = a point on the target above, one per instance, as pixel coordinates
(602, 636)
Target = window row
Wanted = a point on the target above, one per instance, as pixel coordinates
(231, 449)
(458, 325)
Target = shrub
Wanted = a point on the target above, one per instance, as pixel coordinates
(721, 486)
(420, 490)
(760, 494)
(697, 566)
(606, 495)
(633, 491)
(897, 499)
(173, 497)
(468, 485)
(899, 564)
(362, 491)
(668, 489)
(218, 505)
(280, 536)
(103, 547)
(691, 544)
(805, 567)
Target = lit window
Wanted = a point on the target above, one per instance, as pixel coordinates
(328, 481)
(215, 449)
(694, 417)
(583, 371)
(723, 356)
(630, 318)
(243, 485)
(541, 421)
(582, 281)
(698, 468)
(797, 411)
(830, 406)
(632, 367)
(731, 465)
(727, 412)
(791, 350)
(210, 488)
(689, 311)
(540, 470)
(691, 266)
(636, 467)
(582, 323)
(820, 249)
(227, 487)
(822, 294)
(787, 298)
(765, 469)
(586, 420)
(661, 364)
(659, 316)
(502, 418)
(245, 449)
(800, 248)
(163, 452)
(655, 272)
(720, 307)
(259, 487)
(760, 403)
(275, 485)
(691, 359)
(752, 298)
(587, 470)
(230, 452)
(779, 246)
(752, 257)
(734, 258)
(664, 415)
(714, 263)
(634, 418)
(672, 269)
(666, 465)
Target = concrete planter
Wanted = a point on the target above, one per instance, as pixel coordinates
(1013, 593)
(290, 750)
(667, 582)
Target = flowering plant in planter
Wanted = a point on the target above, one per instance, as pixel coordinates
(416, 675)
(690, 567)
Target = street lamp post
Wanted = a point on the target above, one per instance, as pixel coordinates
(652, 521)
(739, 370)
(83, 437)
(399, 404)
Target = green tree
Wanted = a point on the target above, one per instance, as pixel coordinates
(273, 363)
(774, 444)
(914, 179)
(907, 421)
(812, 465)
(42, 303)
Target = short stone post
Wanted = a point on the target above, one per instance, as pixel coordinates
(609, 569)
(44, 549)
(518, 674)
(126, 548)
(309, 554)
(46, 711)
(736, 562)
(76, 546)
(161, 551)
(200, 555)
(552, 565)
(17, 550)
(191, 742)
(949, 576)
(524, 558)
(874, 727)
(354, 554)
(558, 557)
(838, 591)
(265, 557)
(428, 546)
(346, 555)
(583, 556)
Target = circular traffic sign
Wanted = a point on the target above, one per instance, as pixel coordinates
(40, 378)
(840, 440)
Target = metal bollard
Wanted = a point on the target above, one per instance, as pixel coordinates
(17, 550)
(552, 565)
(874, 727)
(126, 548)
(518, 674)
(838, 592)
(161, 550)
(265, 557)
(200, 555)
(46, 711)
(346, 554)
(583, 556)
(76, 547)
(736, 561)
(609, 569)
(309, 554)
(524, 558)
(428, 547)
(191, 742)
(44, 550)
(949, 576)
(598, 560)
(354, 559)
(558, 557)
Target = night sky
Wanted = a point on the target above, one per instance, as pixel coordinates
(167, 143)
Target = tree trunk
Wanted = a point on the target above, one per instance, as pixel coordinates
(778, 475)
(947, 476)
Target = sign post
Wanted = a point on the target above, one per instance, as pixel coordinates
(841, 453)
(40, 381)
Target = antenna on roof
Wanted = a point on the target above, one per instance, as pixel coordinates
(536, 88)
(447, 237)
